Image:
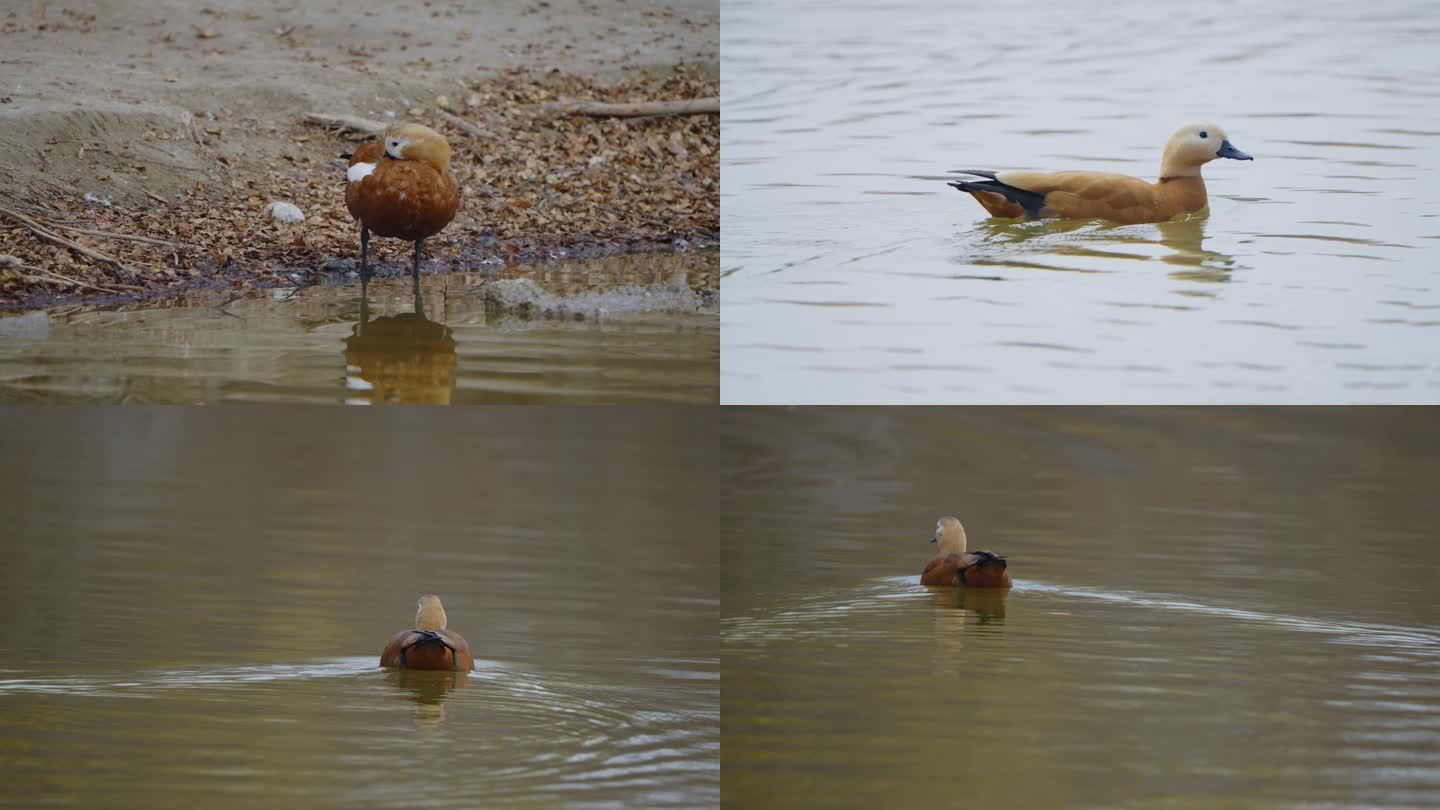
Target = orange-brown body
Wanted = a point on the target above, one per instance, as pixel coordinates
(403, 358)
(428, 654)
(955, 565)
(973, 570)
(1114, 197)
(1105, 195)
(404, 199)
(429, 645)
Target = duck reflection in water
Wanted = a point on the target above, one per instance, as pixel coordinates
(399, 358)
(977, 605)
(1027, 243)
(430, 689)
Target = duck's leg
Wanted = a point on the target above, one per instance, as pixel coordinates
(364, 253)
(415, 273)
(364, 304)
(419, 247)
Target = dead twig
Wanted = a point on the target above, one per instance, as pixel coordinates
(600, 109)
(40, 231)
(346, 123)
(468, 127)
(51, 277)
(108, 235)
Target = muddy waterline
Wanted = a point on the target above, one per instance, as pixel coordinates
(628, 328)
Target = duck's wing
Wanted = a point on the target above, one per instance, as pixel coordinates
(371, 152)
(972, 558)
(1001, 199)
(390, 656)
(406, 641)
(1088, 195)
(939, 571)
(459, 648)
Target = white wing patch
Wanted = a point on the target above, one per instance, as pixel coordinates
(359, 172)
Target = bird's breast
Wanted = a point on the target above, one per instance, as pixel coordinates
(404, 199)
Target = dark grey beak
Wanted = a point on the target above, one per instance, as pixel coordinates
(1228, 150)
(933, 538)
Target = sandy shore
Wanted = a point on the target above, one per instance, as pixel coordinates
(152, 120)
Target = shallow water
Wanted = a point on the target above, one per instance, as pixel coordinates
(195, 602)
(636, 341)
(1217, 608)
(853, 274)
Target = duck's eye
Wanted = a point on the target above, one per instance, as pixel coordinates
(396, 144)
(1204, 134)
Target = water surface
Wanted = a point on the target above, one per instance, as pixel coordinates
(1213, 608)
(195, 602)
(633, 332)
(853, 274)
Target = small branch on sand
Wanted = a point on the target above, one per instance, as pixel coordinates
(347, 123)
(108, 235)
(600, 109)
(461, 123)
(156, 197)
(40, 231)
(26, 272)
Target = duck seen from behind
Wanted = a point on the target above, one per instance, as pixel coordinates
(401, 188)
(953, 565)
(430, 645)
(1103, 195)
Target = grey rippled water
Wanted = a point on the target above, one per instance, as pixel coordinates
(852, 274)
(1213, 608)
(195, 601)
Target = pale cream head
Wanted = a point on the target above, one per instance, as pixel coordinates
(418, 142)
(950, 535)
(431, 615)
(1194, 145)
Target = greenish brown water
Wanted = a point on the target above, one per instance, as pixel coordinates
(623, 329)
(1213, 608)
(195, 602)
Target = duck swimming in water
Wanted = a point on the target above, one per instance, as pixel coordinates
(1102, 195)
(430, 645)
(953, 565)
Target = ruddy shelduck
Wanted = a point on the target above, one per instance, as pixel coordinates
(429, 645)
(953, 565)
(401, 187)
(1102, 195)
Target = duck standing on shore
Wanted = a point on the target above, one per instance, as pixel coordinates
(401, 188)
(953, 565)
